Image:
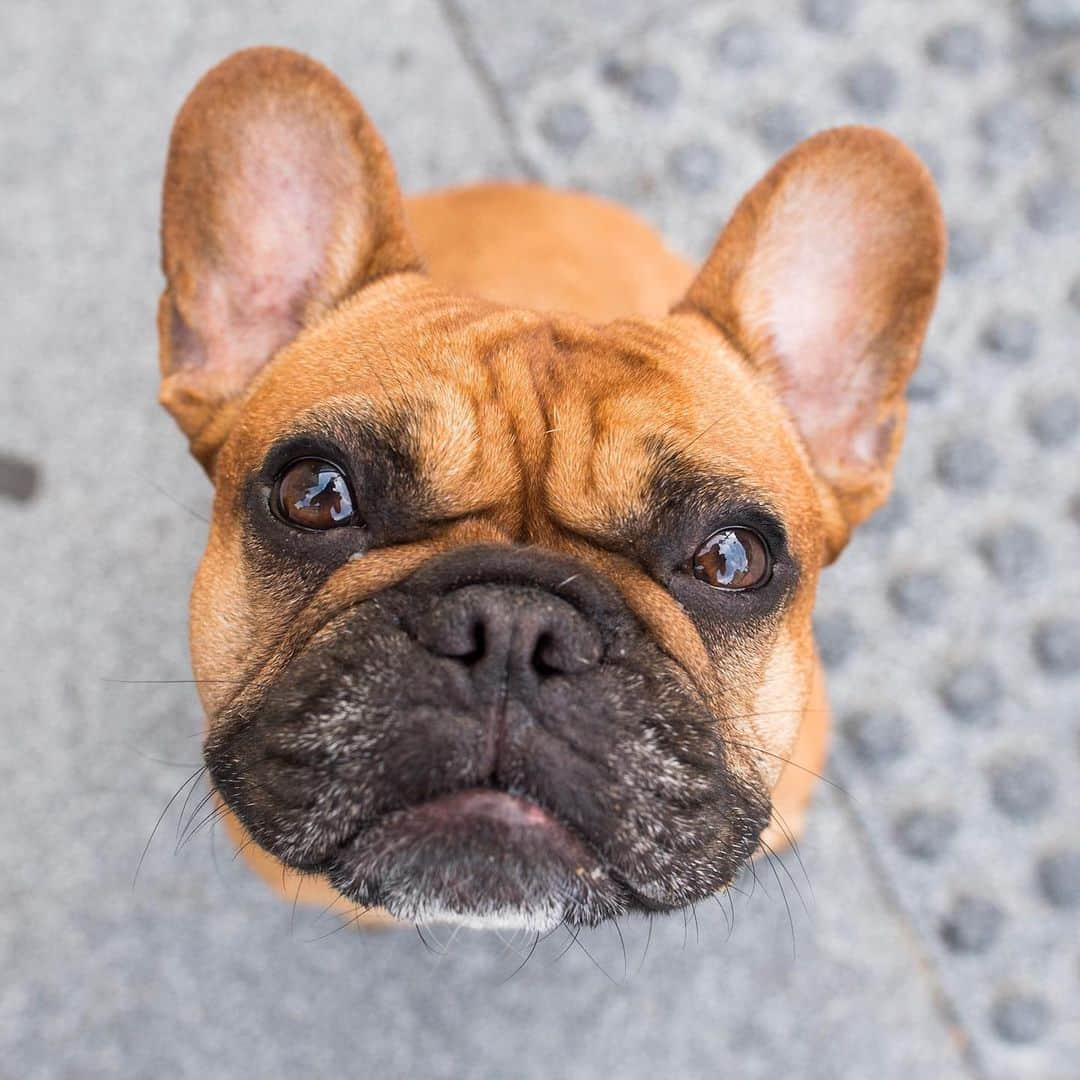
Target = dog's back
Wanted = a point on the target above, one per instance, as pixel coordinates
(529, 246)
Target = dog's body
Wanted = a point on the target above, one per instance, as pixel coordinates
(505, 612)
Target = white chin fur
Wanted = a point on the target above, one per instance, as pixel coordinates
(540, 919)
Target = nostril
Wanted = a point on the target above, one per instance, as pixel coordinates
(455, 630)
(564, 651)
(545, 656)
(478, 637)
(464, 639)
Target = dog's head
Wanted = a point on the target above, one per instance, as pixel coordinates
(505, 616)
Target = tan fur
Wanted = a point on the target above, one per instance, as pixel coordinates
(540, 344)
(613, 267)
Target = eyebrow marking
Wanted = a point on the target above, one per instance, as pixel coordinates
(680, 483)
(378, 450)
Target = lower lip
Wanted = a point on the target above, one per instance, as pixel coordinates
(481, 815)
(498, 807)
(473, 853)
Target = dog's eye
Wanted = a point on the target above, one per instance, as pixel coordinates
(313, 494)
(734, 558)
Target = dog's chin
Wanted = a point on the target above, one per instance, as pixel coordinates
(479, 858)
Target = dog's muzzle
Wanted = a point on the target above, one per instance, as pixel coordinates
(495, 741)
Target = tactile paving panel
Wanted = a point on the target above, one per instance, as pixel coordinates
(951, 626)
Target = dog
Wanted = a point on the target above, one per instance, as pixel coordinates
(504, 618)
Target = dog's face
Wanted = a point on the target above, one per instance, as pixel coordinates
(505, 617)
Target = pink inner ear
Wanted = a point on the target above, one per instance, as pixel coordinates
(817, 299)
(279, 201)
(275, 240)
(825, 278)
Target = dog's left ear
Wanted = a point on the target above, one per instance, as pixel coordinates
(824, 279)
(280, 200)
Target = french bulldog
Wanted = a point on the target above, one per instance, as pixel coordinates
(504, 617)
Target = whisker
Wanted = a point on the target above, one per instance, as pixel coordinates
(508, 944)
(357, 915)
(549, 933)
(244, 846)
(795, 765)
(171, 682)
(327, 908)
(450, 942)
(774, 712)
(211, 819)
(420, 934)
(787, 906)
(596, 964)
(573, 934)
(295, 901)
(438, 941)
(528, 957)
(622, 945)
(160, 761)
(188, 830)
(701, 434)
(161, 817)
(758, 883)
(183, 815)
(172, 498)
(720, 905)
(214, 852)
(648, 942)
(790, 837)
(798, 892)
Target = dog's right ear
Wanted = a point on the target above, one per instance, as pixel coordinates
(280, 201)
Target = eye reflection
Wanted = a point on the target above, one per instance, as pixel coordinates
(328, 494)
(734, 558)
(314, 494)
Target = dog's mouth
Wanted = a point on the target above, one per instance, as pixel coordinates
(478, 857)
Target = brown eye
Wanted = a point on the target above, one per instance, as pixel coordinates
(313, 494)
(733, 559)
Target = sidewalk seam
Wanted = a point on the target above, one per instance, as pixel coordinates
(942, 999)
(474, 58)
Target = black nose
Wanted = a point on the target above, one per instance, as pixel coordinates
(509, 634)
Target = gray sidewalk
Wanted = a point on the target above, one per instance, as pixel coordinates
(933, 927)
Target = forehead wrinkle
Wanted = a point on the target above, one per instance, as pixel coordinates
(466, 447)
(593, 471)
(480, 434)
(603, 419)
(519, 364)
